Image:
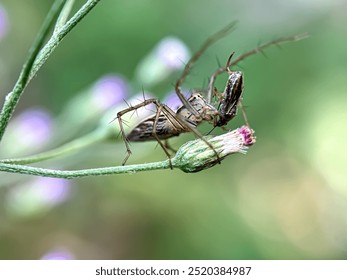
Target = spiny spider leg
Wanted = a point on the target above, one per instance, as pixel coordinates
(165, 124)
(168, 146)
(244, 114)
(183, 122)
(231, 98)
(154, 133)
(212, 39)
(258, 49)
(120, 121)
(277, 41)
(220, 70)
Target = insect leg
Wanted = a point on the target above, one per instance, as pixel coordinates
(215, 37)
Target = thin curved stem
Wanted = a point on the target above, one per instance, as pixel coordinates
(13, 168)
(12, 98)
(95, 136)
(59, 35)
(193, 156)
(37, 58)
(63, 17)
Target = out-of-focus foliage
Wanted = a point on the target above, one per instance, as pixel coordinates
(286, 199)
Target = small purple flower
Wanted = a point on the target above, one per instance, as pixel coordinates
(3, 22)
(172, 52)
(247, 134)
(168, 56)
(109, 91)
(173, 101)
(58, 255)
(37, 196)
(34, 126)
(28, 132)
(51, 191)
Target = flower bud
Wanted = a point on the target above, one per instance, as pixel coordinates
(196, 155)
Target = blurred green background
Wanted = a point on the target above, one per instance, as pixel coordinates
(285, 199)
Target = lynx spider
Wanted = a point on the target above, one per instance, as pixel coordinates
(166, 123)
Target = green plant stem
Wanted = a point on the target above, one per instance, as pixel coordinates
(37, 58)
(12, 98)
(59, 35)
(192, 156)
(13, 168)
(63, 17)
(95, 136)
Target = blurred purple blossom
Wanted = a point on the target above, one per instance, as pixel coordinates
(33, 126)
(109, 91)
(52, 191)
(169, 55)
(173, 101)
(27, 132)
(37, 196)
(3, 22)
(58, 255)
(172, 52)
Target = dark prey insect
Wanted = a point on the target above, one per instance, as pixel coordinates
(166, 123)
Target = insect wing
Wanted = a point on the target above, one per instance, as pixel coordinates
(231, 97)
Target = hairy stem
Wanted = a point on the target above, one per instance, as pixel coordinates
(13, 168)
